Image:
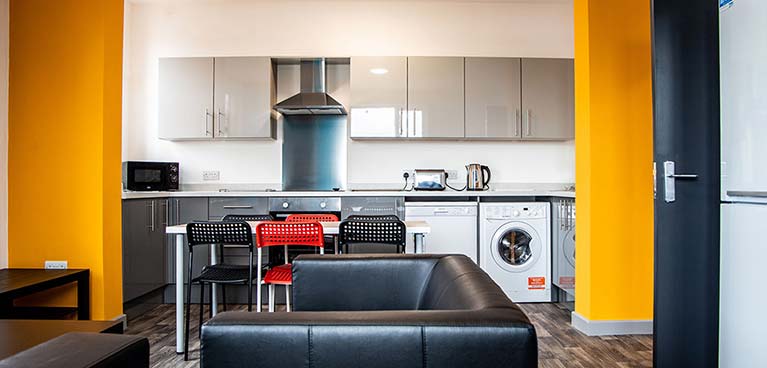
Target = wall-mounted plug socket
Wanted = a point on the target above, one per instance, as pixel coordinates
(409, 172)
(55, 265)
(452, 175)
(211, 175)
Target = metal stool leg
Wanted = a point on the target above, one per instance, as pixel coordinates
(287, 298)
(202, 307)
(271, 297)
(223, 297)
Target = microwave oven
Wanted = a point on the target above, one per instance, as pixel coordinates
(150, 176)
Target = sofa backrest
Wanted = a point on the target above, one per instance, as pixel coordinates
(456, 282)
(360, 282)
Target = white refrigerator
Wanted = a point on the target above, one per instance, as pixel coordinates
(743, 257)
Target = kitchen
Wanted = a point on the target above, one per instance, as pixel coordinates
(431, 101)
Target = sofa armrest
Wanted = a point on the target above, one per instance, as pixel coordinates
(360, 282)
(485, 338)
(82, 349)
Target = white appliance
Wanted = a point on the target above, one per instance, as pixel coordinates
(563, 247)
(515, 249)
(743, 49)
(453, 227)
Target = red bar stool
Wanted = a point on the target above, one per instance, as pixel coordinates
(312, 217)
(275, 233)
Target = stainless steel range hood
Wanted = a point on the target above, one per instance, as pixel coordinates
(312, 100)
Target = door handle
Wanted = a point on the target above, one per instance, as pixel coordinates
(238, 207)
(670, 176)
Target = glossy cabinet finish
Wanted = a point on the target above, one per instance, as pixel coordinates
(184, 211)
(378, 97)
(493, 98)
(244, 95)
(548, 102)
(435, 93)
(186, 98)
(144, 223)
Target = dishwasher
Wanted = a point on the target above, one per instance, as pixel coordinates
(453, 227)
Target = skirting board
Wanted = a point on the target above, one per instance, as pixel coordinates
(602, 328)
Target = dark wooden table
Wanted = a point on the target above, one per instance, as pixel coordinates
(19, 335)
(18, 282)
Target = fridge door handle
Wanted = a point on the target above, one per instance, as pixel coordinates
(747, 193)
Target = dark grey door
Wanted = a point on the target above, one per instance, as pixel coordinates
(686, 109)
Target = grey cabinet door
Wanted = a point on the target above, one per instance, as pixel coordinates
(493, 98)
(243, 99)
(143, 246)
(186, 98)
(378, 88)
(435, 93)
(184, 211)
(548, 102)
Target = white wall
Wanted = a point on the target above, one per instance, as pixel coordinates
(158, 28)
(4, 31)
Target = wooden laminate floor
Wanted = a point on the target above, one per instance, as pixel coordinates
(559, 344)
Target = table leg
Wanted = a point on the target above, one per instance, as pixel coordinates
(180, 293)
(84, 296)
(418, 243)
(213, 293)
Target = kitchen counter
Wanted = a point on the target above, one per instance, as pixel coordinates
(354, 193)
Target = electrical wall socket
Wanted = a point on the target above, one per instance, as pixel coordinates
(211, 175)
(452, 175)
(55, 265)
(409, 171)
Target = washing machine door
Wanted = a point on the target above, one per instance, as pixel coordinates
(516, 247)
(568, 248)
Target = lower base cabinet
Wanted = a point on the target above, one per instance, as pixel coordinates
(144, 259)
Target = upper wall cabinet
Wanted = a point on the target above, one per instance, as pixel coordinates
(378, 97)
(244, 97)
(493, 98)
(240, 108)
(435, 97)
(186, 98)
(548, 101)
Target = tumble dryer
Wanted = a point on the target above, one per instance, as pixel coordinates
(515, 248)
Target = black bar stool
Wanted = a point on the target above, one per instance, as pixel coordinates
(372, 236)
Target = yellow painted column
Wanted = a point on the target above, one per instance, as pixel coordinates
(613, 79)
(64, 149)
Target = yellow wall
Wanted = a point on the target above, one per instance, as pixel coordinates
(65, 101)
(613, 145)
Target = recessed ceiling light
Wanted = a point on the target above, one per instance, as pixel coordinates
(379, 71)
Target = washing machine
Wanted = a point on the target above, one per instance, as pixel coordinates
(515, 249)
(563, 234)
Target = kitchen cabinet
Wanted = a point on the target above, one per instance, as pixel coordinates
(493, 98)
(186, 98)
(184, 211)
(378, 97)
(207, 98)
(548, 102)
(435, 97)
(243, 98)
(220, 207)
(144, 222)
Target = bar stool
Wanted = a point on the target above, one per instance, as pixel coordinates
(287, 234)
(217, 233)
(361, 234)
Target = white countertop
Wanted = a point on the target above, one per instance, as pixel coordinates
(364, 193)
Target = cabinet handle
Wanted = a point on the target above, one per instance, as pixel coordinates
(517, 116)
(237, 207)
(402, 122)
(151, 226)
(529, 124)
(207, 115)
(220, 122)
(167, 212)
(178, 211)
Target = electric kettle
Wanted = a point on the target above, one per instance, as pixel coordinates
(477, 177)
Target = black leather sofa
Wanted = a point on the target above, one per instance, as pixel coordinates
(84, 349)
(375, 311)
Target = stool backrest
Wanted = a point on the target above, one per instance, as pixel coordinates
(373, 217)
(372, 232)
(220, 233)
(312, 217)
(258, 217)
(274, 233)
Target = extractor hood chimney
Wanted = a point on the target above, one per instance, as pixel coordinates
(312, 100)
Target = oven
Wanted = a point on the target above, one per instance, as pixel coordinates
(281, 207)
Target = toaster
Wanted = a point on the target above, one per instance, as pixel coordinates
(429, 179)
